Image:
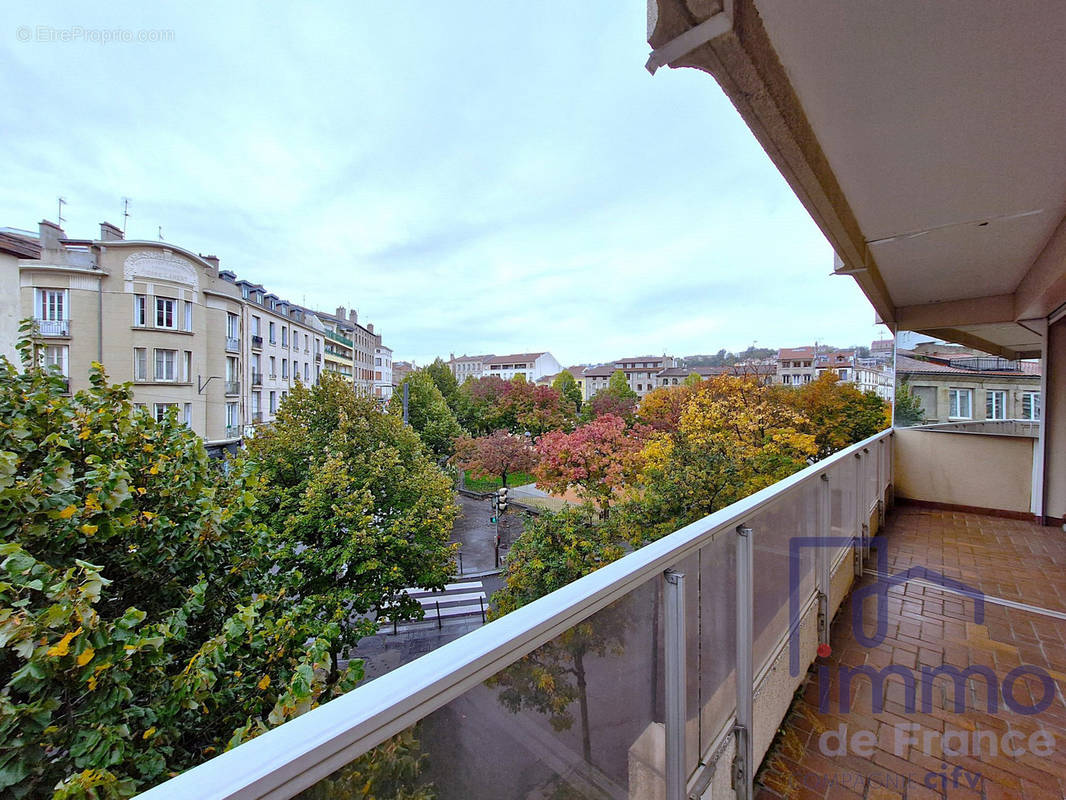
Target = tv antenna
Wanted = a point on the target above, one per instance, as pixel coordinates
(61, 220)
(161, 233)
(125, 213)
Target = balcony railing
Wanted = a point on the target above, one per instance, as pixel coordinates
(687, 649)
(53, 327)
(257, 379)
(233, 431)
(995, 427)
(257, 342)
(257, 417)
(318, 357)
(233, 387)
(338, 338)
(233, 344)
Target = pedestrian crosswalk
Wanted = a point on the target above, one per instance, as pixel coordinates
(465, 599)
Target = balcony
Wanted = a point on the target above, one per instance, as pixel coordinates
(695, 634)
(53, 327)
(257, 379)
(233, 344)
(233, 431)
(233, 387)
(257, 342)
(257, 417)
(318, 358)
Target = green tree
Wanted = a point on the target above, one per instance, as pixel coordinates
(553, 551)
(358, 510)
(692, 379)
(838, 413)
(566, 385)
(428, 412)
(444, 380)
(617, 399)
(908, 409)
(141, 629)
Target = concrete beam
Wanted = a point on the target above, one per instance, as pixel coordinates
(976, 311)
(1043, 288)
(747, 67)
(971, 340)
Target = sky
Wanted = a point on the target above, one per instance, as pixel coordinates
(473, 177)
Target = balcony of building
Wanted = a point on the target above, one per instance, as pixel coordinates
(233, 344)
(232, 387)
(53, 327)
(257, 379)
(257, 342)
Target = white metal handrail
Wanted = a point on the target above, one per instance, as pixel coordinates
(294, 756)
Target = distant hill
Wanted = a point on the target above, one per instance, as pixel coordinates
(725, 358)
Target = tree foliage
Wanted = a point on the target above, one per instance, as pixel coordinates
(500, 453)
(909, 409)
(566, 385)
(733, 438)
(598, 459)
(837, 413)
(617, 399)
(428, 413)
(445, 381)
(493, 404)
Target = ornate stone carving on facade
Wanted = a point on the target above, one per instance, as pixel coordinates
(162, 265)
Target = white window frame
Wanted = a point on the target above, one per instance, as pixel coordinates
(159, 410)
(233, 328)
(186, 366)
(56, 355)
(166, 307)
(1034, 406)
(232, 416)
(160, 364)
(52, 304)
(995, 400)
(955, 395)
(186, 414)
(187, 319)
(140, 363)
(140, 311)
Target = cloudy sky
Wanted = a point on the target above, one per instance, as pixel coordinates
(472, 177)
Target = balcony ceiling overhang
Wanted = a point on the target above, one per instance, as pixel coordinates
(925, 138)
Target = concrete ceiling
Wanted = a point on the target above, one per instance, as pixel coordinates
(926, 137)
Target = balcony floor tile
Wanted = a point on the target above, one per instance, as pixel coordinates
(929, 625)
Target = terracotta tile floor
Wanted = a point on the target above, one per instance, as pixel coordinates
(976, 753)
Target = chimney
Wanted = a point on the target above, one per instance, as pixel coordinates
(353, 317)
(49, 234)
(370, 327)
(110, 233)
(212, 260)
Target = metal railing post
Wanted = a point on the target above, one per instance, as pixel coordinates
(825, 558)
(743, 768)
(674, 679)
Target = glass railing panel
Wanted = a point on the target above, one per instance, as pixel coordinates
(793, 516)
(843, 507)
(580, 717)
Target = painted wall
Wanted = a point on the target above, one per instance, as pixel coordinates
(966, 469)
(1055, 424)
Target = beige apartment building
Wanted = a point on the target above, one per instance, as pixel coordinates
(466, 367)
(152, 313)
(641, 373)
(971, 387)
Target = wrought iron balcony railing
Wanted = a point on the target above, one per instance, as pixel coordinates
(233, 344)
(257, 342)
(53, 327)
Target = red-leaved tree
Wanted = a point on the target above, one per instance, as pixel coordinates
(500, 453)
(597, 459)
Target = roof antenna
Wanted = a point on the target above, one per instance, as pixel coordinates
(62, 202)
(161, 233)
(125, 213)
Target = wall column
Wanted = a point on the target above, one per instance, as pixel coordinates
(1053, 413)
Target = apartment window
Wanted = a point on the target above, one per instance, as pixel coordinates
(52, 304)
(164, 364)
(231, 368)
(1031, 405)
(140, 363)
(255, 365)
(140, 310)
(165, 309)
(186, 414)
(960, 403)
(55, 356)
(307, 372)
(273, 367)
(231, 415)
(295, 369)
(996, 405)
(284, 336)
(188, 316)
(273, 340)
(256, 400)
(244, 292)
(284, 368)
(159, 411)
(186, 366)
(232, 326)
(256, 322)
(273, 402)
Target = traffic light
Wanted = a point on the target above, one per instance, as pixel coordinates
(501, 499)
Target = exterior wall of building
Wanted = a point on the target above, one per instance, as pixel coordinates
(383, 385)
(1055, 424)
(934, 393)
(10, 306)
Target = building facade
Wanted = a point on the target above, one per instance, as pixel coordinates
(466, 367)
(530, 366)
(642, 373)
(383, 384)
(976, 387)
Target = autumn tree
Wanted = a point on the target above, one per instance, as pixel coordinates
(500, 453)
(566, 385)
(733, 438)
(492, 404)
(428, 413)
(480, 402)
(661, 408)
(554, 550)
(617, 399)
(598, 459)
(838, 413)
